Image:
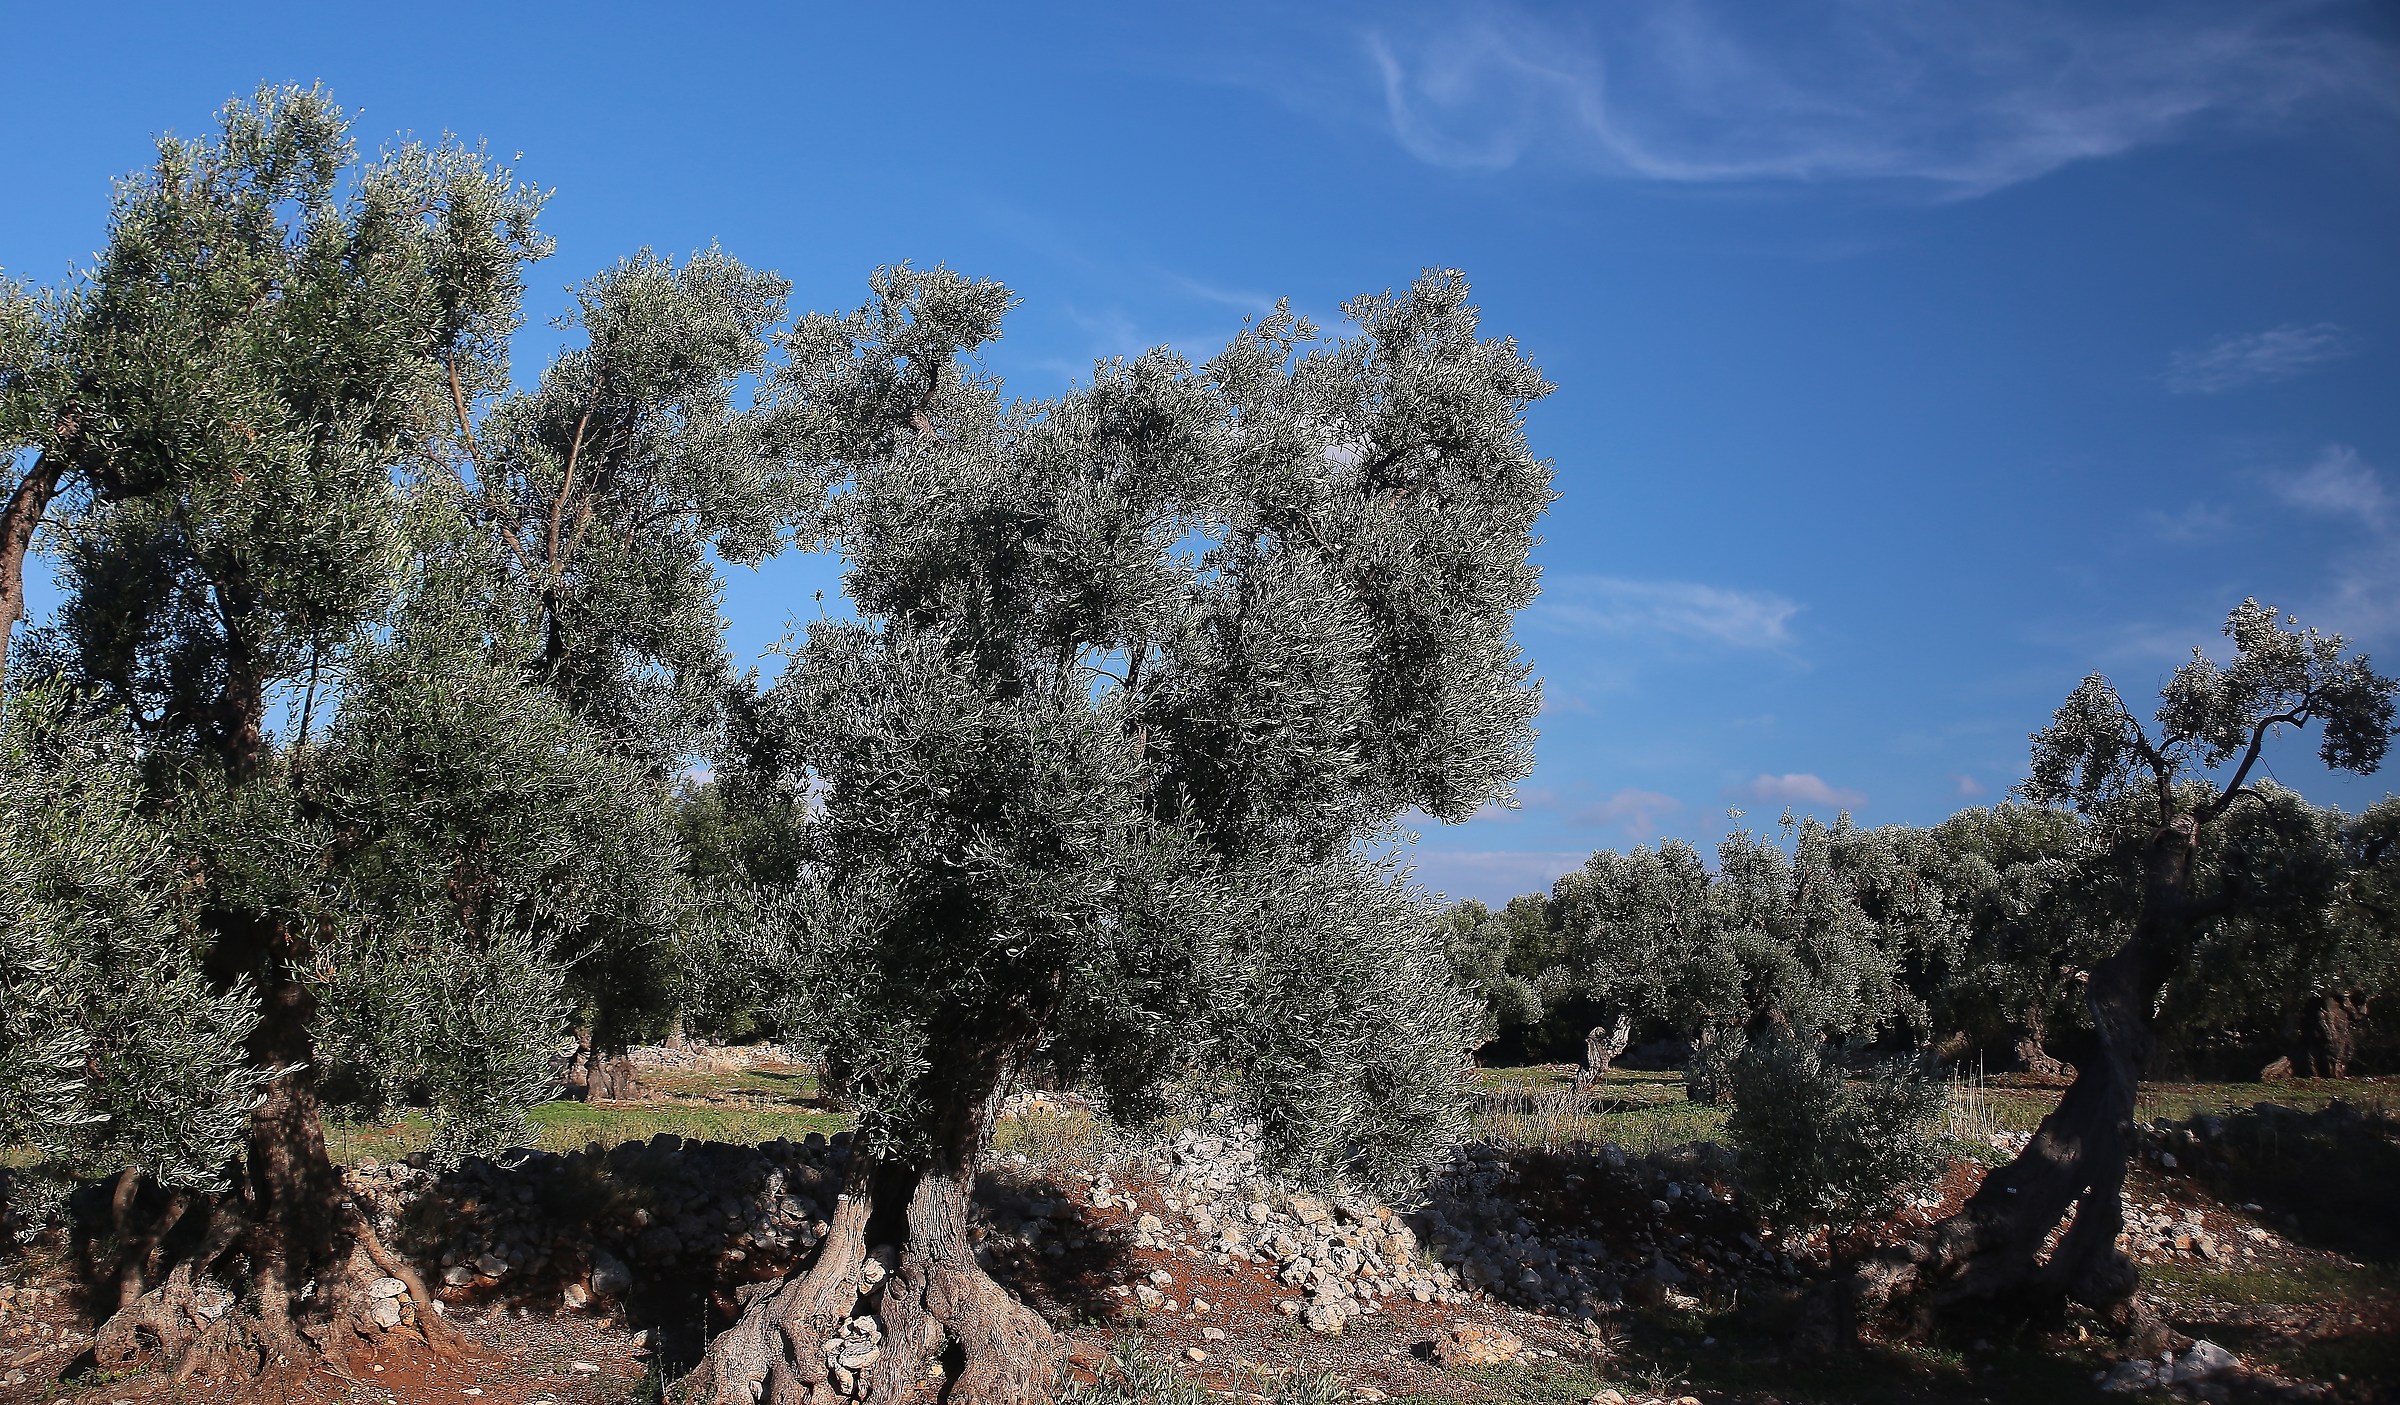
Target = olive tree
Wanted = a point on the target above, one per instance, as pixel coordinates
(2297, 965)
(1131, 673)
(1641, 944)
(2166, 792)
(377, 829)
(2031, 896)
(1804, 932)
(599, 498)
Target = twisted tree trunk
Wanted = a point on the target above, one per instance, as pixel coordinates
(1996, 1255)
(2329, 1040)
(597, 1074)
(1601, 1045)
(847, 1328)
(286, 1229)
(2032, 1049)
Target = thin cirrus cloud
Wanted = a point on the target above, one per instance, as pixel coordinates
(1710, 614)
(2256, 358)
(2365, 595)
(2338, 483)
(1965, 97)
(1799, 788)
(1640, 815)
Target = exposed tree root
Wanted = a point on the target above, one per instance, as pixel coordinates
(192, 1324)
(790, 1348)
(1008, 1354)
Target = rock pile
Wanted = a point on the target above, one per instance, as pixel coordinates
(1575, 1231)
(1338, 1257)
(587, 1224)
(1571, 1233)
(710, 1055)
(2164, 1233)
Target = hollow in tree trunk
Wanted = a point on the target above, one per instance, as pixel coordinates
(935, 1310)
(276, 1274)
(1996, 1256)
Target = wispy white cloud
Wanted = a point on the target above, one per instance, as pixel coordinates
(1799, 788)
(1639, 814)
(1966, 787)
(2339, 484)
(1610, 605)
(2255, 358)
(1967, 96)
(2365, 599)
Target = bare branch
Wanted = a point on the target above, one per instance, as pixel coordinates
(566, 483)
(2258, 739)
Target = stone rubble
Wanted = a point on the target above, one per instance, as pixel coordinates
(594, 1222)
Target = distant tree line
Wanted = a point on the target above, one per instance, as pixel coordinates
(1971, 938)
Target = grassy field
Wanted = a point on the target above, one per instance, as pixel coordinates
(1639, 1110)
(719, 1105)
(1644, 1111)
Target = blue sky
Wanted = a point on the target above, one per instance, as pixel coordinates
(1913, 359)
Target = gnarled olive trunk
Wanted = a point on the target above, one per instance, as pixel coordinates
(286, 1231)
(2329, 1035)
(1997, 1255)
(600, 1074)
(2032, 1047)
(1601, 1045)
(848, 1328)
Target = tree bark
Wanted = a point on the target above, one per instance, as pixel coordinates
(2031, 1051)
(2329, 1042)
(936, 1304)
(1990, 1256)
(311, 1259)
(1601, 1045)
(600, 1075)
(18, 521)
(612, 1079)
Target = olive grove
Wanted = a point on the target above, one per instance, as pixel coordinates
(292, 823)
(1079, 785)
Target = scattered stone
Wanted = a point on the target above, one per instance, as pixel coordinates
(1473, 1344)
(609, 1276)
(2204, 1360)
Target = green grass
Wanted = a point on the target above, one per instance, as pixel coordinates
(2198, 1299)
(570, 1126)
(1660, 1116)
(1539, 1381)
(2181, 1286)
(773, 1083)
